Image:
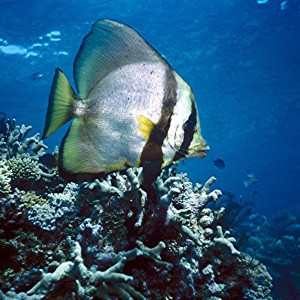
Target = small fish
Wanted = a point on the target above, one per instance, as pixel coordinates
(36, 76)
(219, 163)
(131, 108)
(49, 160)
(251, 178)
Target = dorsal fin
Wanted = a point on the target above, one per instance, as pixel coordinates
(108, 46)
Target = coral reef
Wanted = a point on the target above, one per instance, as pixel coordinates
(110, 239)
(14, 141)
(58, 205)
(5, 178)
(276, 243)
(22, 157)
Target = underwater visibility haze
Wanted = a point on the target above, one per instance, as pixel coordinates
(242, 61)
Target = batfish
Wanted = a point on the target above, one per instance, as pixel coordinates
(131, 109)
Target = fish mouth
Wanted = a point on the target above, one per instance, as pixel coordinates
(201, 151)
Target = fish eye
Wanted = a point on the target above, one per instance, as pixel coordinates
(189, 124)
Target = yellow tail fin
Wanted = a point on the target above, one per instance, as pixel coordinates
(60, 105)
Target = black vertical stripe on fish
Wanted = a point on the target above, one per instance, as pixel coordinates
(151, 171)
(152, 151)
(189, 129)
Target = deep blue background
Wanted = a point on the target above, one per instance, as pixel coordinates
(241, 58)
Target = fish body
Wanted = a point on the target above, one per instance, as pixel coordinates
(251, 178)
(219, 163)
(132, 108)
(36, 76)
(49, 160)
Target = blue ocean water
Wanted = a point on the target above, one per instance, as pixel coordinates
(242, 59)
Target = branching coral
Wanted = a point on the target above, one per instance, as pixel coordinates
(26, 172)
(23, 154)
(91, 284)
(185, 212)
(58, 205)
(123, 242)
(5, 178)
(23, 169)
(14, 141)
(224, 241)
